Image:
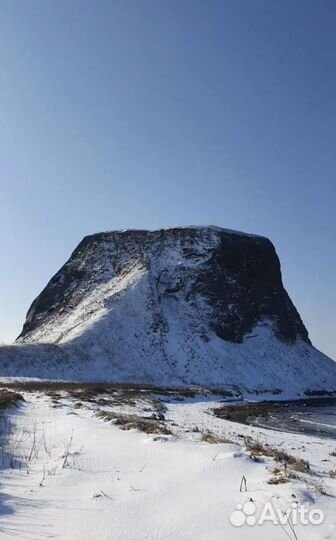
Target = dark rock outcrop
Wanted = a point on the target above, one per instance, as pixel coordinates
(237, 275)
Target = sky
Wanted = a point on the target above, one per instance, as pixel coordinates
(150, 113)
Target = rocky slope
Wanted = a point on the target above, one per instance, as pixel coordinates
(196, 305)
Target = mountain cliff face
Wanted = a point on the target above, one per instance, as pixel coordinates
(196, 305)
(231, 280)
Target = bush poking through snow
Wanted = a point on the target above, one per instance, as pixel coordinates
(320, 488)
(274, 480)
(212, 438)
(299, 465)
(9, 398)
(78, 405)
(129, 421)
(256, 448)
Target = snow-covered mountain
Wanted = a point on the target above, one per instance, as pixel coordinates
(194, 305)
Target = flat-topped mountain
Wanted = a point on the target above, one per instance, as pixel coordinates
(223, 282)
(186, 305)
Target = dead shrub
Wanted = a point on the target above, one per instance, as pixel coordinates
(274, 480)
(78, 405)
(300, 465)
(212, 438)
(9, 398)
(128, 421)
(258, 449)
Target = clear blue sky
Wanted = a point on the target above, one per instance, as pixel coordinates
(149, 113)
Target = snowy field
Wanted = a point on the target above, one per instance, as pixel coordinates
(71, 470)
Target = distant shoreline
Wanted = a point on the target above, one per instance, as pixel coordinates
(282, 415)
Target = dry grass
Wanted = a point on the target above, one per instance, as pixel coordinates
(78, 405)
(256, 448)
(104, 394)
(92, 389)
(292, 475)
(282, 476)
(275, 480)
(129, 421)
(300, 465)
(320, 488)
(212, 438)
(9, 398)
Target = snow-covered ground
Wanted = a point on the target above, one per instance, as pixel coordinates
(261, 365)
(84, 478)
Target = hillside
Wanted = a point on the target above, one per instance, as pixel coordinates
(182, 306)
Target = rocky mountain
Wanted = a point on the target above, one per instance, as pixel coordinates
(194, 305)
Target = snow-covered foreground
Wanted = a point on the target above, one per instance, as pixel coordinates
(84, 478)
